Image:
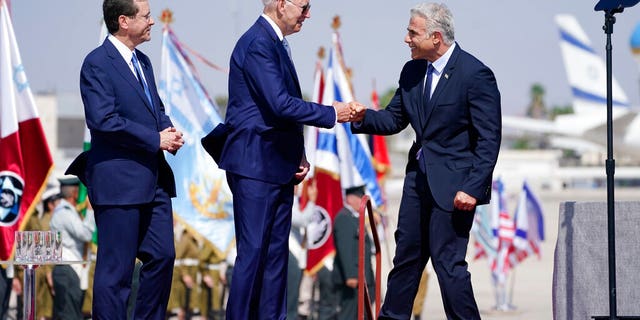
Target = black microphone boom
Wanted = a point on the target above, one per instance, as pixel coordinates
(614, 5)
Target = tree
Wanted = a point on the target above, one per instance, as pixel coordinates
(537, 109)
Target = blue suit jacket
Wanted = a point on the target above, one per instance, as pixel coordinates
(125, 164)
(459, 130)
(266, 111)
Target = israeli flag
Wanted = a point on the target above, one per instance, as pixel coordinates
(204, 201)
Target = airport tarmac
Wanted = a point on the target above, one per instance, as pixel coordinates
(531, 282)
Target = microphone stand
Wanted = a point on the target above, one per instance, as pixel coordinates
(610, 165)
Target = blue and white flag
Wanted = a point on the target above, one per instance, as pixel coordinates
(355, 160)
(204, 201)
(529, 224)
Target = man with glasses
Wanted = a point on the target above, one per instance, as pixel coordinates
(129, 182)
(264, 156)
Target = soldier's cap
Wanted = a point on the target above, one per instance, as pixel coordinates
(51, 193)
(356, 191)
(69, 181)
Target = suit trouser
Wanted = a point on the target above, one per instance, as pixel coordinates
(262, 219)
(427, 231)
(67, 303)
(124, 233)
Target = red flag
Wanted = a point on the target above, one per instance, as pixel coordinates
(324, 169)
(25, 160)
(320, 231)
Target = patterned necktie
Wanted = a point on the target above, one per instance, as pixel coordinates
(427, 85)
(143, 83)
(285, 43)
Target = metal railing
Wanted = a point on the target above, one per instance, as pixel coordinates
(364, 300)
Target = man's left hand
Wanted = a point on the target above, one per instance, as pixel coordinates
(464, 202)
(302, 170)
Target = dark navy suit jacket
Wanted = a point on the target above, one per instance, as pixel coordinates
(266, 111)
(125, 163)
(459, 130)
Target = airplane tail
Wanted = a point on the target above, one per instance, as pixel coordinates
(586, 70)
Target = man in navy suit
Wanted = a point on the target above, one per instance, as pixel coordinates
(264, 156)
(129, 182)
(452, 102)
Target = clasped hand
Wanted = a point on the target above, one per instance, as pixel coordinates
(171, 140)
(349, 112)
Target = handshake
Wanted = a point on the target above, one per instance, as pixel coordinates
(349, 112)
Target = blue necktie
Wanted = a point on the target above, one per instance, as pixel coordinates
(285, 43)
(427, 85)
(136, 66)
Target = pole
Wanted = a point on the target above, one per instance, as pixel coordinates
(29, 291)
(610, 167)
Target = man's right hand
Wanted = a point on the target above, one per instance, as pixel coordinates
(171, 140)
(357, 111)
(343, 111)
(348, 112)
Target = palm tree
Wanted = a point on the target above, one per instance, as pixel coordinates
(537, 109)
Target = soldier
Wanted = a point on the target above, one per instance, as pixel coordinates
(92, 250)
(345, 270)
(211, 266)
(184, 291)
(75, 233)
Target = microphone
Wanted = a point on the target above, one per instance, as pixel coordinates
(614, 5)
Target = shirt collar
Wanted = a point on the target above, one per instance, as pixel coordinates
(122, 48)
(274, 26)
(439, 64)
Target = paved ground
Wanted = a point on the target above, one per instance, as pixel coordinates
(532, 279)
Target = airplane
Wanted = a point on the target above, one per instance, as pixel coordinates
(586, 129)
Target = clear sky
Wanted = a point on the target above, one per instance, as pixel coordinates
(518, 39)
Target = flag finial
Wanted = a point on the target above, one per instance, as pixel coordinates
(321, 53)
(336, 23)
(167, 16)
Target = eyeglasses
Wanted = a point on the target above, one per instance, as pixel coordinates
(146, 17)
(304, 8)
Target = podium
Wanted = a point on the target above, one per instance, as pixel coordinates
(580, 280)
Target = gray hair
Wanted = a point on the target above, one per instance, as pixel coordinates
(268, 2)
(438, 17)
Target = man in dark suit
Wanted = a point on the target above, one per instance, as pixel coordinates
(346, 231)
(129, 182)
(452, 102)
(264, 156)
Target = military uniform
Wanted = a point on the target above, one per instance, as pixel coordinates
(76, 232)
(186, 263)
(211, 264)
(88, 294)
(345, 236)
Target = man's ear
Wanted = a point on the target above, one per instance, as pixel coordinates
(437, 38)
(123, 22)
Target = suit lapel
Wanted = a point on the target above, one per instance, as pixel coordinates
(290, 66)
(418, 95)
(148, 75)
(282, 52)
(442, 86)
(123, 68)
